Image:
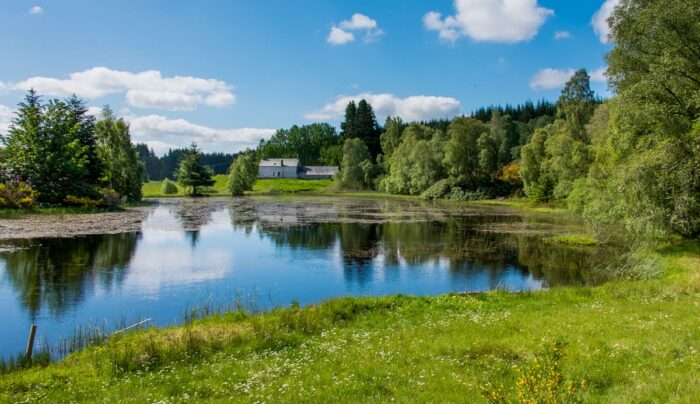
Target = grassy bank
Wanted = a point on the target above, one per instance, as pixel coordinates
(152, 189)
(623, 342)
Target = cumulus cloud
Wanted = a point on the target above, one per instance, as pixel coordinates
(343, 33)
(339, 37)
(415, 108)
(600, 20)
(163, 133)
(6, 116)
(506, 21)
(148, 89)
(36, 10)
(562, 35)
(549, 79)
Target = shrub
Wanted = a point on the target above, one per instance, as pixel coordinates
(17, 195)
(72, 200)
(541, 382)
(168, 187)
(110, 197)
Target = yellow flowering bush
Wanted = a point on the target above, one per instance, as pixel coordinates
(542, 381)
(16, 195)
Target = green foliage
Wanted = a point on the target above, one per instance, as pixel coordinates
(353, 168)
(123, 168)
(647, 143)
(168, 187)
(243, 173)
(576, 104)
(361, 123)
(48, 146)
(416, 164)
(311, 144)
(192, 174)
(542, 381)
(462, 150)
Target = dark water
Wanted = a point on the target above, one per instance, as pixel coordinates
(273, 251)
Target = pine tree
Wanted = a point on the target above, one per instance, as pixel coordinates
(192, 173)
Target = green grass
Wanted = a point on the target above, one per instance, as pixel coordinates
(152, 189)
(577, 240)
(288, 185)
(628, 341)
(56, 210)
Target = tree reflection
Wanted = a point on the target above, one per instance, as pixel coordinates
(475, 242)
(56, 273)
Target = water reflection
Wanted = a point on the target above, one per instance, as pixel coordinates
(55, 273)
(305, 249)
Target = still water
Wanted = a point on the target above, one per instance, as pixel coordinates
(272, 251)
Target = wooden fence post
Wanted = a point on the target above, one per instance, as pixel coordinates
(30, 342)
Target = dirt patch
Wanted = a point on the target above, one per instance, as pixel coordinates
(71, 225)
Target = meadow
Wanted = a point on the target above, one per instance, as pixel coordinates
(152, 189)
(624, 341)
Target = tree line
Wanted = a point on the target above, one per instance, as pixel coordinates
(159, 168)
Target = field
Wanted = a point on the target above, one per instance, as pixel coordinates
(152, 189)
(625, 341)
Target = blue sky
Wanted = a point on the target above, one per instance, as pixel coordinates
(226, 73)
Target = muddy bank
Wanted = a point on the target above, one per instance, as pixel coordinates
(71, 225)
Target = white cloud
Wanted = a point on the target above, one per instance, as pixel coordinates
(549, 79)
(6, 116)
(562, 35)
(341, 34)
(159, 148)
(600, 20)
(415, 108)
(36, 10)
(164, 132)
(506, 21)
(339, 37)
(148, 89)
(598, 75)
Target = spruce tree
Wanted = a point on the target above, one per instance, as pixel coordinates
(192, 174)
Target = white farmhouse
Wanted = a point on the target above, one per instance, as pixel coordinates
(290, 168)
(278, 168)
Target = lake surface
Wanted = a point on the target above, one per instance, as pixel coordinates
(272, 251)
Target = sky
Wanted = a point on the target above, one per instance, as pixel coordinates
(227, 73)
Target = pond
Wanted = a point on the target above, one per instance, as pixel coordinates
(271, 251)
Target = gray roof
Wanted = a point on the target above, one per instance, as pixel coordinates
(279, 162)
(320, 170)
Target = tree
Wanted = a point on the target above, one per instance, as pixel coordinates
(305, 142)
(537, 182)
(645, 172)
(361, 123)
(192, 174)
(416, 164)
(45, 149)
(85, 132)
(243, 173)
(123, 168)
(576, 104)
(462, 150)
(354, 165)
(348, 128)
(391, 137)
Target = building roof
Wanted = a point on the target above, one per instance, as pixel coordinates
(320, 170)
(279, 162)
